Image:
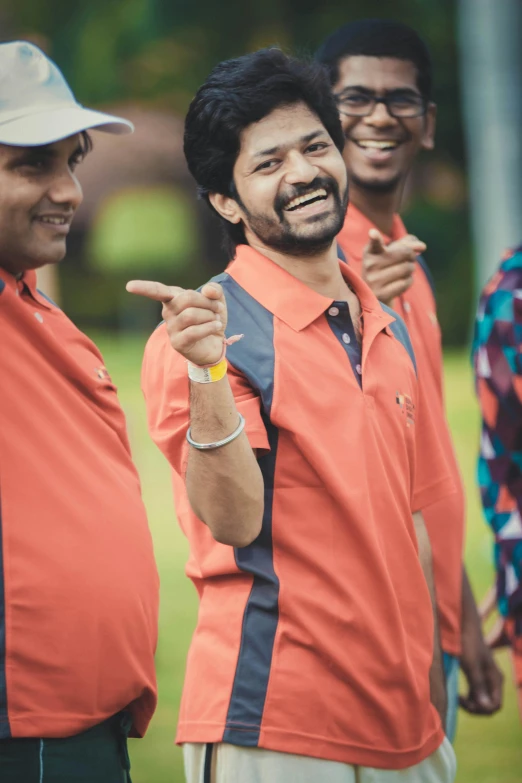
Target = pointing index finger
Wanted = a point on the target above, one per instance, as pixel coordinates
(416, 244)
(153, 290)
(376, 244)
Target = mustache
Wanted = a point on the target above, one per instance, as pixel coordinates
(327, 183)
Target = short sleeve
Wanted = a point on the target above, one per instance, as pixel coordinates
(433, 478)
(165, 386)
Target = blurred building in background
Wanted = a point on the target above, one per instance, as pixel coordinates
(145, 59)
(139, 218)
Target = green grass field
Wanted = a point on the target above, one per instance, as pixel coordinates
(489, 750)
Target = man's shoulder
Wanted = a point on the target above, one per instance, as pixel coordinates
(400, 332)
(498, 323)
(502, 288)
(509, 274)
(243, 306)
(426, 271)
(512, 259)
(47, 299)
(157, 343)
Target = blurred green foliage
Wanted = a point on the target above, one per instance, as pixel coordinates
(161, 51)
(152, 223)
(158, 52)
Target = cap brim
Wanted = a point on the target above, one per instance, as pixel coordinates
(56, 124)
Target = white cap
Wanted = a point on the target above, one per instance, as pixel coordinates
(36, 104)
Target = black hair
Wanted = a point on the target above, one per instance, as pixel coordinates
(378, 38)
(238, 93)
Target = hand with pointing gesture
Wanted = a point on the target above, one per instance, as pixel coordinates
(195, 321)
(388, 269)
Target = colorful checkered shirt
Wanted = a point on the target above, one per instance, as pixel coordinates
(497, 359)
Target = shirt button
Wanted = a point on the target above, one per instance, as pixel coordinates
(346, 338)
(333, 311)
(407, 307)
(359, 369)
(39, 318)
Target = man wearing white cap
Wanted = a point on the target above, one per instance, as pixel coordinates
(78, 582)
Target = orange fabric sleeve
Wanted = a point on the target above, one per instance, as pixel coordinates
(433, 479)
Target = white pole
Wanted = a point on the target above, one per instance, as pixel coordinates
(491, 69)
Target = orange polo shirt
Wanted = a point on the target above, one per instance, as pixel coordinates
(78, 582)
(445, 519)
(317, 638)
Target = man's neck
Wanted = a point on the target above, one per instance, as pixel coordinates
(379, 208)
(12, 271)
(321, 272)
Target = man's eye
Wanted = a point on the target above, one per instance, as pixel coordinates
(267, 164)
(75, 161)
(354, 100)
(37, 164)
(405, 100)
(317, 147)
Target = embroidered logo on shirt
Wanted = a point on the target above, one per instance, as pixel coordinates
(103, 374)
(407, 407)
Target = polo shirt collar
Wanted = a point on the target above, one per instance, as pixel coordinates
(353, 236)
(27, 282)
(288, 298)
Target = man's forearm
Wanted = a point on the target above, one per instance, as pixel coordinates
(437, 679)
(224, 485)
(484, 678)
(470, 615)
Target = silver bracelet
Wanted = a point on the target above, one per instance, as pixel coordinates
(217, 444)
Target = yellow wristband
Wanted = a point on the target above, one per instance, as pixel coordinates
(207, 374)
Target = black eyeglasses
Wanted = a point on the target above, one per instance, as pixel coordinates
(399, 103)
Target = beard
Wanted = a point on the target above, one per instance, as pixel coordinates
(280, 235)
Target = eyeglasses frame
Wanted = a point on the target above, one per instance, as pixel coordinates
(385, 99)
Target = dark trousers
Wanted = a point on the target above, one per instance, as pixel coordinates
(98, 755)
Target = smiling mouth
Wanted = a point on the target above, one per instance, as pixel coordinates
(54, 221)
(308, 198)
(386, 145)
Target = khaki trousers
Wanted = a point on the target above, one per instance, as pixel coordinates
(222, 763)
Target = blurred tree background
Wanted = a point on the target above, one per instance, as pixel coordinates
(146, 58)
(140, 218)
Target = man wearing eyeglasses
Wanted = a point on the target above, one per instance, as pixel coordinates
(381, 75)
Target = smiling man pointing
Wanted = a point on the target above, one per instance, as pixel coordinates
(382, 79)
(298, 509)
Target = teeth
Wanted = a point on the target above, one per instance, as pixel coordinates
(377, 145)
(56, 221)
(296, 202)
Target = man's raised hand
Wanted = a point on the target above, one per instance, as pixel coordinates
(388, 269)
(195, 321)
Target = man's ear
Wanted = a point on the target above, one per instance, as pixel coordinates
(430, 118)
(225, 206)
